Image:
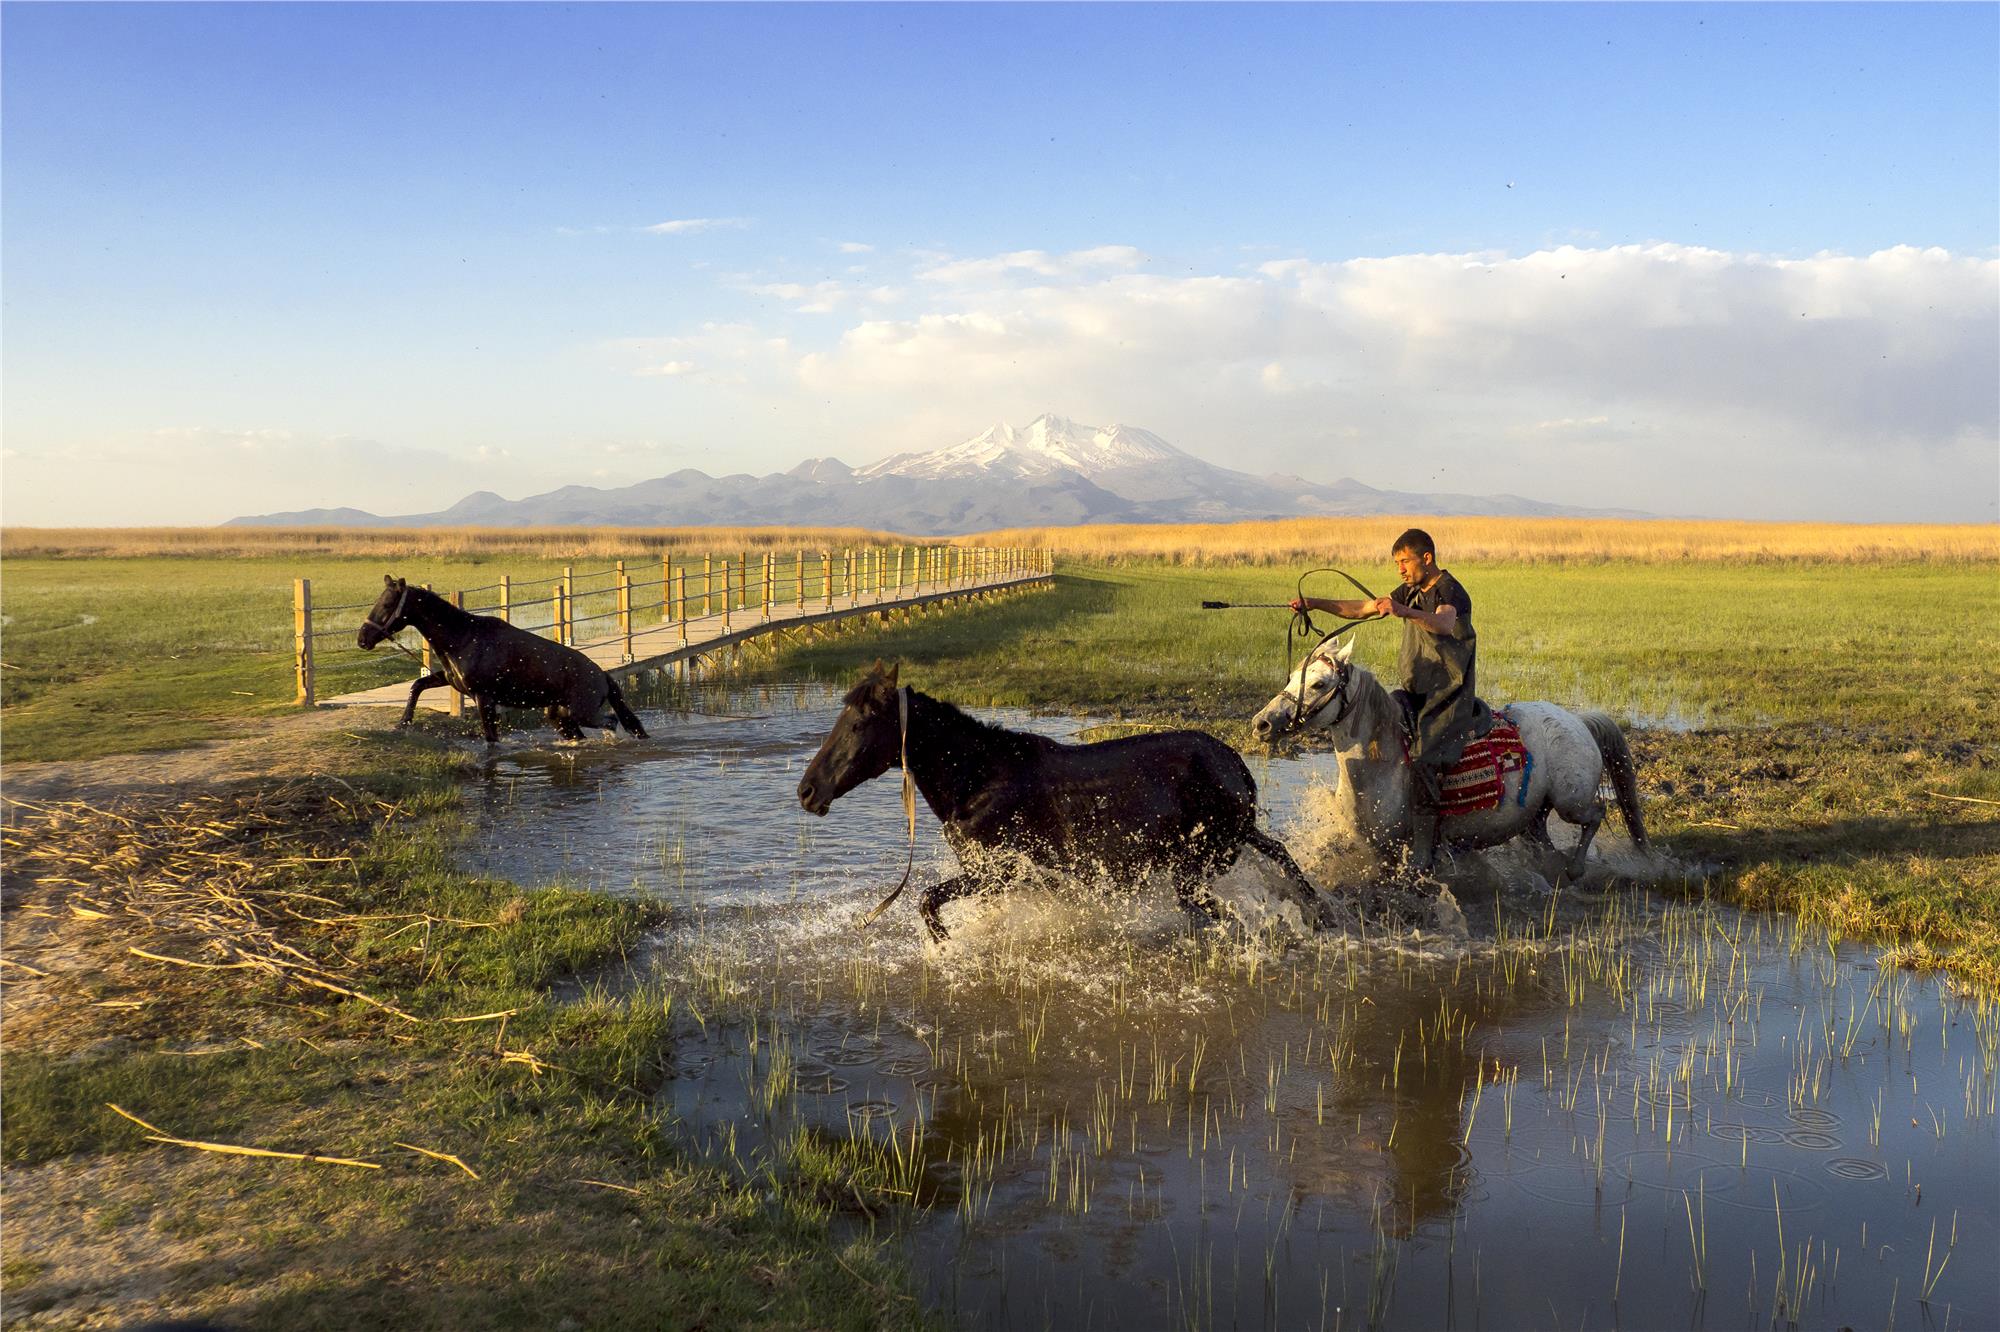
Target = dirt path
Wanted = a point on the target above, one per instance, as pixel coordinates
(280, 746)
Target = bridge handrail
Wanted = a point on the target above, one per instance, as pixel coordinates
(690, 586)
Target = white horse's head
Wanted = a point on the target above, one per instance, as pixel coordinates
(1318, 697)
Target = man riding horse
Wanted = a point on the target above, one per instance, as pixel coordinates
(1439, 651)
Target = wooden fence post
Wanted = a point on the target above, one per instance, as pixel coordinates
(770, 587)
(566, 627)
(506, 607)
(666, 589)
(726, 598)
(826, 575)
(454, 702)
(847, 571)
(899, 573)
(707, 584)
(799, 573)
(682, 599)
(625, 608)
(302, 628)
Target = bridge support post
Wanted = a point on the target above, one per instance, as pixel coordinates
(625, 609)
(454, 702)
(302, 629)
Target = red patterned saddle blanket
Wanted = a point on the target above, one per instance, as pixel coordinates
(1478, 780)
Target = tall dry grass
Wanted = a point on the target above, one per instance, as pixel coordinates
(1295, 541)
(544, 543)
(1288, 541)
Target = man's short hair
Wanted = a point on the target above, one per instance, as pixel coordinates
(1417, 542)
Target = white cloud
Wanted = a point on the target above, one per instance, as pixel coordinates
(1037, 262)
(686, 226)
(1665, 377)
(667, 369)
(856, 247)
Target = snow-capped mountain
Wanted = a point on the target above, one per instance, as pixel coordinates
(1053, 472)
(1046, 444)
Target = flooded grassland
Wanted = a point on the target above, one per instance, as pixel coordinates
(1623, 1104)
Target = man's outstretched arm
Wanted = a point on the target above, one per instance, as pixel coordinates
(1346, 610)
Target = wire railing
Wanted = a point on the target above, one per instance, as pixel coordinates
(613, 605)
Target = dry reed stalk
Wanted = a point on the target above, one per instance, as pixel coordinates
(603, 1184)
(230, 1149)
(438, 1156)
(1969, 800)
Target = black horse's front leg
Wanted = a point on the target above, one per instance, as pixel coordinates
(935, 896)
(423, 682)
(489, 719)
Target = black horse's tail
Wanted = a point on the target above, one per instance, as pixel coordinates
(1619, 768)
(626, 717)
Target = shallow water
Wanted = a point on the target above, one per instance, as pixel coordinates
(1609, 1109)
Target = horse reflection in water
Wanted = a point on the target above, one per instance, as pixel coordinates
(1016, 806)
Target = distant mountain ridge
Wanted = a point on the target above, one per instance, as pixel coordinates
(1052, 472)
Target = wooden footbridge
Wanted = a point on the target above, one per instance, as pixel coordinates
(673, 612)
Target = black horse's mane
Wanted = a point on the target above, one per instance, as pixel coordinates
(992, 732)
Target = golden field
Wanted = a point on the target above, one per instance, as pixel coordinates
(1294, 541)
(1290, 541)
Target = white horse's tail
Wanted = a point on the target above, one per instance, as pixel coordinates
(1618, 766)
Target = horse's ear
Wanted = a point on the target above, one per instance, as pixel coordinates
(890, 678)
(388, 580)
(1345, 652)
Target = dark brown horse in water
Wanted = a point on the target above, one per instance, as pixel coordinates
(1012, 803)
(489, 660)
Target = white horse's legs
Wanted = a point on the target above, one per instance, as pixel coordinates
(1586, 829)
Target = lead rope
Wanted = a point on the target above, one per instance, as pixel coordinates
(1302, 627)
(909, 808)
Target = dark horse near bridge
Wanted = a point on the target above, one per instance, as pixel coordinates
(1012, 803)
(494, 663)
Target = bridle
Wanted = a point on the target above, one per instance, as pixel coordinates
(909, 806)
(389, 635)
(1302, 714)
(382, 626)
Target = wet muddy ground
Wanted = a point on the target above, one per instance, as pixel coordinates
(1614, 1106)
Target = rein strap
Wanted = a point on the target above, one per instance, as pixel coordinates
(909, 808)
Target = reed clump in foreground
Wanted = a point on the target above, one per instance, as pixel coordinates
(1472, 540)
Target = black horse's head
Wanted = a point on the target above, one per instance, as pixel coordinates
(388, 615)
(863, 744)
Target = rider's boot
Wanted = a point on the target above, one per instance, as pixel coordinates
(1423, 843)
(1424, 799)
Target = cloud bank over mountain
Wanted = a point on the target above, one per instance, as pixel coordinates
(1053, 471)
(1663, 376)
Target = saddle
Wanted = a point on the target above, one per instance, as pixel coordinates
(1477, 781)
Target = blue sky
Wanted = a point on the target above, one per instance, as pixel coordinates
(263, 257)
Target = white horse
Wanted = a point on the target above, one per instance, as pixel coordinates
(1571, 754)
